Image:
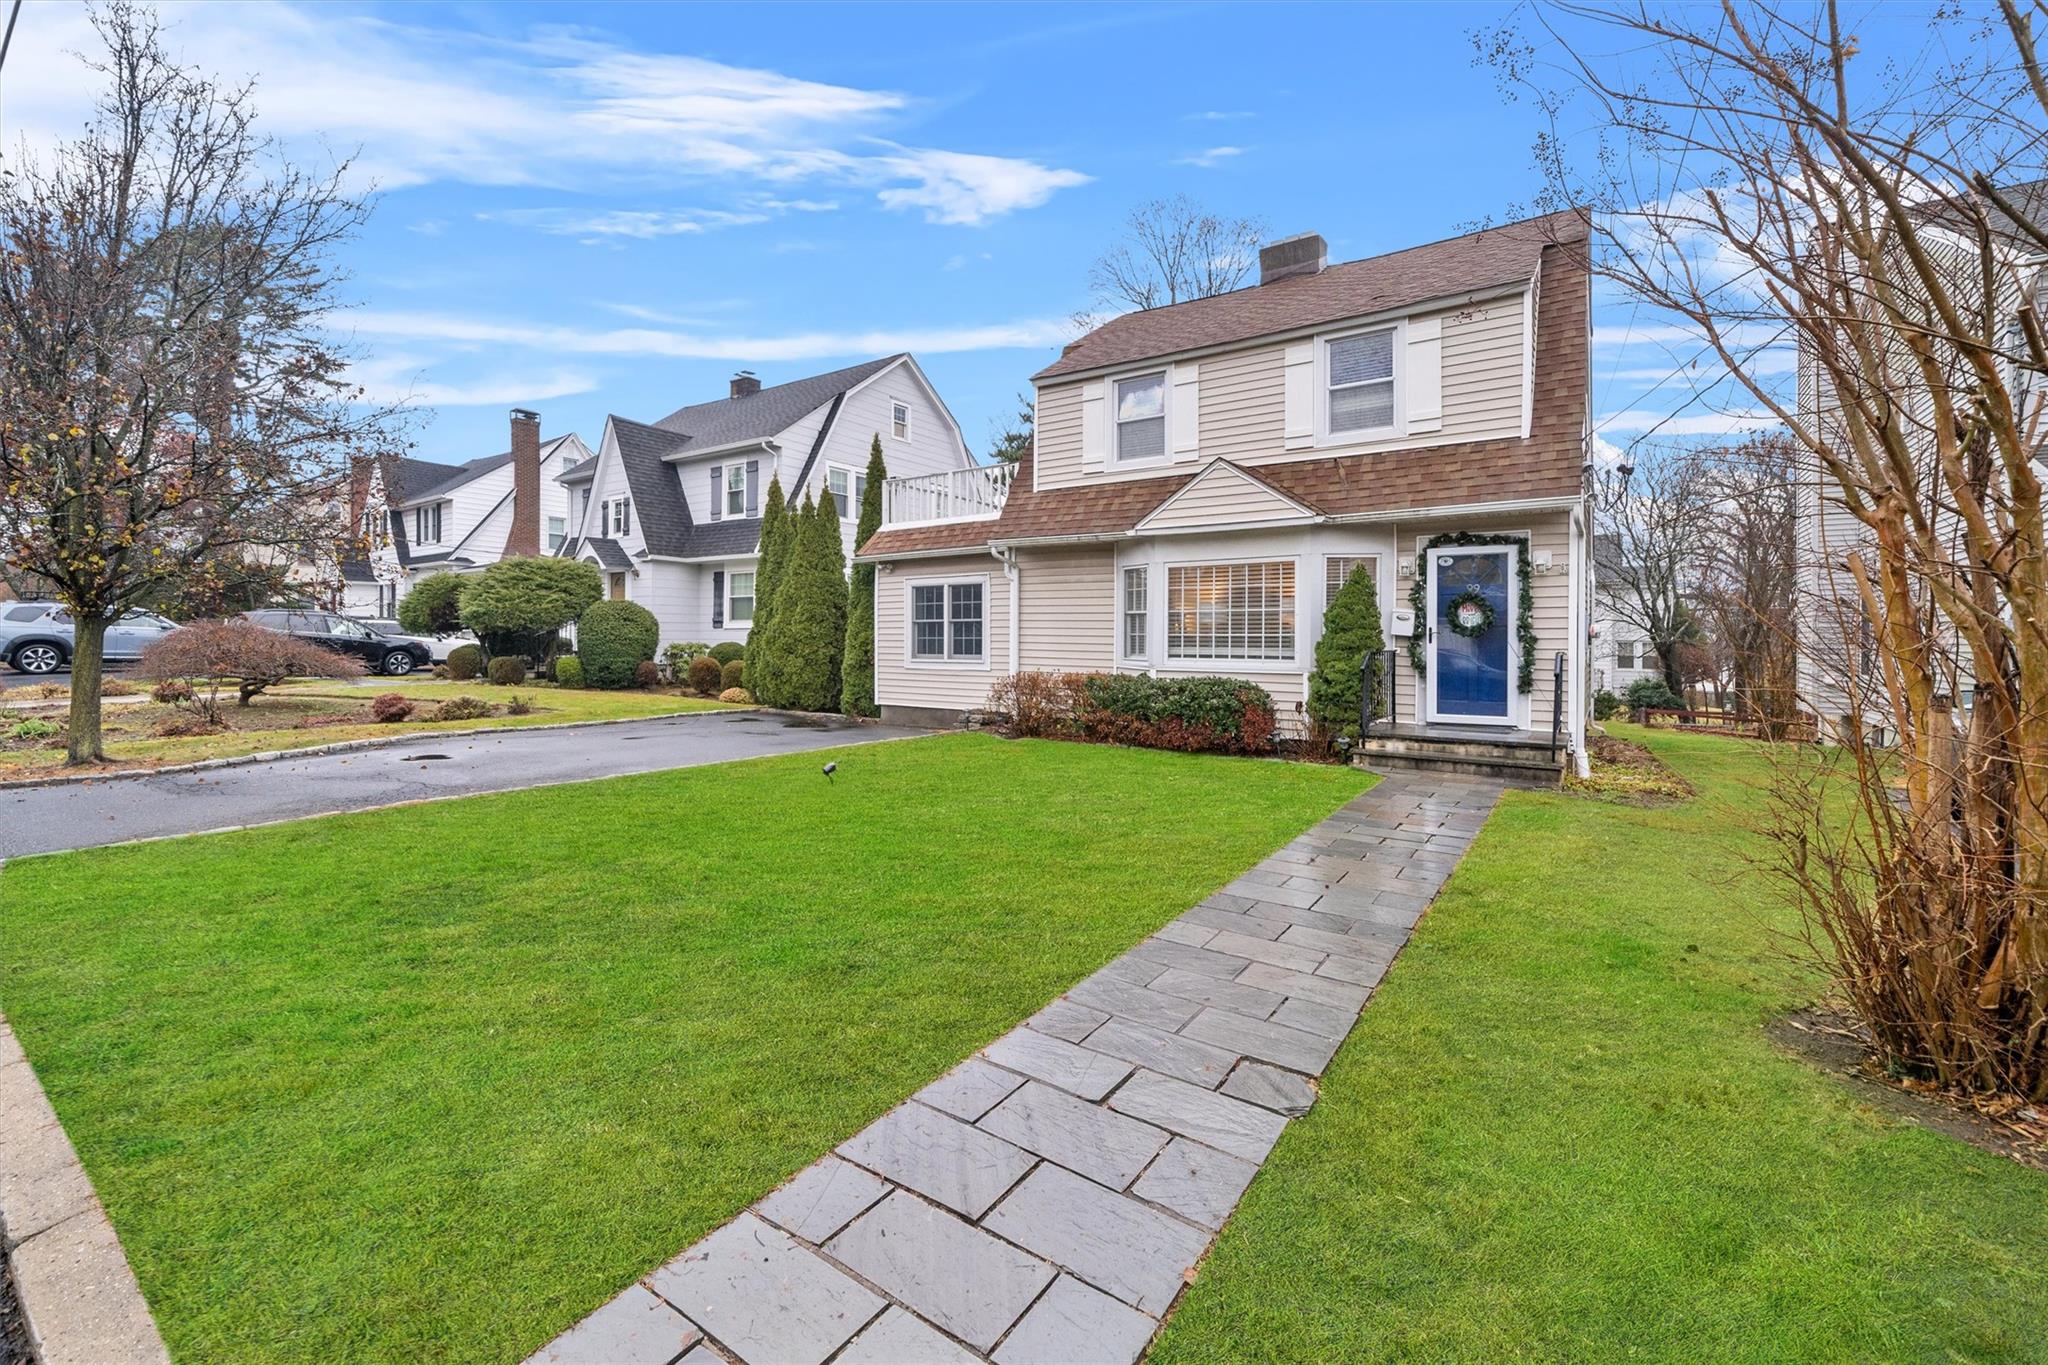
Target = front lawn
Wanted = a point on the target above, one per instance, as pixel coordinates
(1560, 1133)
(303, 715)
(431, 1083)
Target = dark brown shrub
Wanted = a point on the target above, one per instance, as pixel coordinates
(1041, 705)
(242, 655)
(171, 691)
(706, 677)
(645, 674)
(734, 674)
(389, 708)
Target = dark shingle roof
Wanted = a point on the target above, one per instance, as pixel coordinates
(609, 553)
(1503, 255)
(1547, 464)
(760, 415)
(657, 493)
(578, 472)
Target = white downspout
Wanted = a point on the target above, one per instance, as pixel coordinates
(1575, 681)
(1008, 557)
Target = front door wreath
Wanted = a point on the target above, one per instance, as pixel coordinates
(1469, 614)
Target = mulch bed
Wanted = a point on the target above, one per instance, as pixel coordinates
(1841, 1046)
(1628, 772)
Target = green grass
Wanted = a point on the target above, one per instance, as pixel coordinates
(432, 1083)
(1560, 1133)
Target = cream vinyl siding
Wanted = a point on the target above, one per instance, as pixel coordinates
(1552, 600)
(1242, 398)
(1067, 600)
(947, 687)
(1222, 497)
(1482, 365)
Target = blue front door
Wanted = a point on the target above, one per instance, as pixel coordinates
(1469, 677)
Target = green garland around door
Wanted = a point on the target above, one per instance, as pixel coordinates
(1525, 617)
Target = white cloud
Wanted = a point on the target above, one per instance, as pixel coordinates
(648, 341)
(643, 224)
(396, 380)
(557, 107)
(1648, 420)
(1219, 115)
(1212, 156)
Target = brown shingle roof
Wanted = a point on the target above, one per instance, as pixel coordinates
(1502, 255)
(1547, 464)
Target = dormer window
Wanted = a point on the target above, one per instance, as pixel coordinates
(1361, 382)
(1140, 418)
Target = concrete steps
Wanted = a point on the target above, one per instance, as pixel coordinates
(1518, 758)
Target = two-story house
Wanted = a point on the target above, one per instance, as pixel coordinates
(1205, 475)
(423, 516)
(1621, 649)
(670, 510)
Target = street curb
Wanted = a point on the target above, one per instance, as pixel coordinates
(79, 1298)
(343, 747)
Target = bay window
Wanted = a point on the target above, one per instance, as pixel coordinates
(1230, 611)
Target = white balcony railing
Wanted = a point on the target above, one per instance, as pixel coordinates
(974, 494)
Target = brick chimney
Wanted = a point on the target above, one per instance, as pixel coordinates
(744, 385)
(1305, 254)
(524, 537)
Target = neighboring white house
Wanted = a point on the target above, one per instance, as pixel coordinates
(423, 516)
(1621, 654)
(671, 510)
(1205, 474)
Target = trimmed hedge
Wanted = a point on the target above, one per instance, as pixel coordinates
(568, 671)
(706, 677)
(613, 639)
(507, 670)
(465, 662)
(734, 674)
(1193, 715)
(728, 650)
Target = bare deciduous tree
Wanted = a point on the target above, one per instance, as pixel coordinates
(1748, 579)
(1757, 177)
(169, 395)
(1175, 250)
(1657, 508)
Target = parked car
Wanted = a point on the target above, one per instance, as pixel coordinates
(389, 654)
(38, 637)
(440, 646)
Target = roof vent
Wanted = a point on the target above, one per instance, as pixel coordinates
(1305, 254)
(744, 385)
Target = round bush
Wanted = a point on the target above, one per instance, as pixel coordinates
(389, 708)
(728, 651)
(465, 662)
(706, 677)
(433, 606)
(645, 674)
(1653, 693)
(569, 671)
(739, 694)
(734, 674)
(462, 708)
(614, 639)
(508, 670)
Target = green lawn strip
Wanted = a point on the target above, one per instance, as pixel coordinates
(430, 1084)
(1560, 1133)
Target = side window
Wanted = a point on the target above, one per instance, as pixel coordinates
(841, 483)
(899, 421)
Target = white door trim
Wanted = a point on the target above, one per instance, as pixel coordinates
(1513, 700)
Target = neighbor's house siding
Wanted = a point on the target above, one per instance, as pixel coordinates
(932, 448)
(1241, 398)
(950, 688)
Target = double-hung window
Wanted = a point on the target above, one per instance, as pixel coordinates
(899, 421)
(739, 598)
(1338, 570)
(1137, 615)
(848, 488)
(622, 516)
(1230, 611)
(1361, 394)
(558, 531)
(1624, 653)
(735, 490)
(426, 525)
(946, 622)
(1140, 409)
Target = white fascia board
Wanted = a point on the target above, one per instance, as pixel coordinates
(764, 443)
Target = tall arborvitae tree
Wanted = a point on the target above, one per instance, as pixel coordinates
(1351, 635)
(768, 566)
(810, 612)
(857, 693)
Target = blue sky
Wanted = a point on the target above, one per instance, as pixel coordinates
(591, 208)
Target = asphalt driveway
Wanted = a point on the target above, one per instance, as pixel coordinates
(82, 815)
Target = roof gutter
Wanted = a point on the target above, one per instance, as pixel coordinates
(729, 448)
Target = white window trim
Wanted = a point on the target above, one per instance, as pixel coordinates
(1519, 702)
(548, 533)
(908, 419)
(1112, 460)
(732, 619)
(423, 514)
(1123, 637)
(726, 513)
(978, 664)
(1289, 663)
(853, 489)
(1367, 435)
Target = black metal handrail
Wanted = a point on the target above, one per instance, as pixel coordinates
(1556, 702)
(1375, 686)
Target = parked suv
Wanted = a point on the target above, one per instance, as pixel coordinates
(439, 646)
(345, 635)
(37, 637)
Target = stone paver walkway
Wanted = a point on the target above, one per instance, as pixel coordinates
(1046, 1201)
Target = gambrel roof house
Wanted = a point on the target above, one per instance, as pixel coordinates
(670, 510)
(425, 516)
(1206, 475)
